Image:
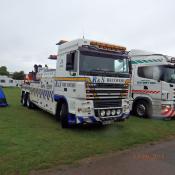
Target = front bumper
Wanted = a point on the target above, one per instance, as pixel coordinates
(168, 111)
(73, 120)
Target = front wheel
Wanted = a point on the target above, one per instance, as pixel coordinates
(143, 109)
(64, 116)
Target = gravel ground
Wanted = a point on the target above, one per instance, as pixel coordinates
(152, 159)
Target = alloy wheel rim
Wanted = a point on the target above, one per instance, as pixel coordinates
(141, 110)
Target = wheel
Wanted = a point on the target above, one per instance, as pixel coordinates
(58, 111)
(64, 116)
(24, 100)
(143, 109)
(29, 103)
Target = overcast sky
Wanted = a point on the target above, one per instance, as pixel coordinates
(29, 29)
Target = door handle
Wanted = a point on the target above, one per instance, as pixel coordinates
(145, 87)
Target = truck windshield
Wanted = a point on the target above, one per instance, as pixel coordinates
(103, 65)
(164, 73)
(168, 74)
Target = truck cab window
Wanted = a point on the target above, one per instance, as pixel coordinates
(121, 65)
(168, 74)
(71, 61)
(163, 73)
(145, 72)
(157, 73)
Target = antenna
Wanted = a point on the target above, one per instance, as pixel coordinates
(83, 32)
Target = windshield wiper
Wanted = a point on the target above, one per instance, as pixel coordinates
(98, 70)
(118, 74)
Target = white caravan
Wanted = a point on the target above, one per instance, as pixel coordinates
(5, 81)
(153, 84)
(90, 84)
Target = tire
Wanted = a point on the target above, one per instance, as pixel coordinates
(143, 109)
(24, 99)
(57, 115)
(64, 116)
(29, 103)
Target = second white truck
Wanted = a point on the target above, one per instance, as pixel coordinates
(153, 84)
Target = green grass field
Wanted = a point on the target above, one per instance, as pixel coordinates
(33, 139)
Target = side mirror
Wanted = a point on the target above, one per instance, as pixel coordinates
(130, 67)
(70, 61)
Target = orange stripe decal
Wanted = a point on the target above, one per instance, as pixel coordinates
(145, 91)
(72, 79)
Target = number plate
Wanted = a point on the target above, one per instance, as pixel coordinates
(107, 122)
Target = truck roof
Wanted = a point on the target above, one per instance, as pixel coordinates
(75, 44)
(135, 52)
(149, 58)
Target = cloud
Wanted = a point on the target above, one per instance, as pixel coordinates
(29, 30)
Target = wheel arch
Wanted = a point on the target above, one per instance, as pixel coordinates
(148, 100)
(60, 100)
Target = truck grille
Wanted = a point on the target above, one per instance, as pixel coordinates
(106, 91)
(106, 103)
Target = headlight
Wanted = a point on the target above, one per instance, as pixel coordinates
(166, 108)
(118, 111)
(113, 112)
(102, 113)
(108, 112)
(84, 110)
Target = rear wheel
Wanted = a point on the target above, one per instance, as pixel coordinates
(24, 99)
(143, 109)
(29, 103)
(64, 116)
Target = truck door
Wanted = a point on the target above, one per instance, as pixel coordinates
(148, 85)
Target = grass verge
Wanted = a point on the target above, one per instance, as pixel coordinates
(33, 139)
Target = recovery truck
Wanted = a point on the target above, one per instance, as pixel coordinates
(90, 84)
(153, 84)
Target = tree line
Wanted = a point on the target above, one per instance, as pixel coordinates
(16, 75)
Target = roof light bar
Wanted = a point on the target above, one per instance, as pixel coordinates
(53, 57)
(61, 42)
(107, 46)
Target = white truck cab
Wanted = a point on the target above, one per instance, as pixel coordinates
(90, 84)
(153, 84)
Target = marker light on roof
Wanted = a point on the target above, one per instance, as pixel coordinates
(107, 46)
(53, 57)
